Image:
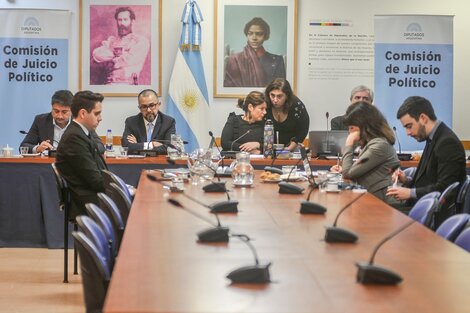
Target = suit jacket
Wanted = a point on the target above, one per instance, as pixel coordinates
(375, 173)
(337, 123)
(164, 127)
(80, 163)
(444, 166)
(43, 129)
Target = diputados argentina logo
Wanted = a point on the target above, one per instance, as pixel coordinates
(413, 32)
(31, 26)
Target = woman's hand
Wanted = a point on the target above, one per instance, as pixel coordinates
(353, 137)
(250, 146)
(336, 169)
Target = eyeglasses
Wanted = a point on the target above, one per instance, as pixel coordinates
(151, 106)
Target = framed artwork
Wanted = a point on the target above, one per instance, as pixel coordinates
(120, 46)
(255, 42)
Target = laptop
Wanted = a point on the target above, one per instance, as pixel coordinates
(327, 143)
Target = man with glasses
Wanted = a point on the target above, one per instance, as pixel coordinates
(144, 130)
(358, 94)
(47, 129)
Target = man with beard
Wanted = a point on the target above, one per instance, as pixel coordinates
(144, 129)
(443, 160)
(122, 58)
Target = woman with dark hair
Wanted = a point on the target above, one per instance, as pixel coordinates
(248, 128)
(288, 113)
(377, 158)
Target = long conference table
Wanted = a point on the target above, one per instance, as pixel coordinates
(29, 210)
(162, 268)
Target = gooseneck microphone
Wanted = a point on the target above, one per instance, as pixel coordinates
(368, 273)
(228, 206)
(24, 132)
(216, 234)
(327, 150)
(243, 135)
(307, 207)
(337, 234)
(251, 274)
(401, 156)
(288, 188)
(271, 168)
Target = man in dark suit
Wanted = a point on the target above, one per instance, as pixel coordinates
(142, 131)
(443, 159)
(48, 128)
(78, 159)
(359, 93)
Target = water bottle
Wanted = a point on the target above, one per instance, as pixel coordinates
(109, 140)
(268, 139)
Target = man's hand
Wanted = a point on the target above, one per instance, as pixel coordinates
(401, 176)
(44, 146)
(399, 193)
(131, 139)
(156, 144)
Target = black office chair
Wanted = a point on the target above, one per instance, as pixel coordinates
(113, 213)
(120, 199)
(64, 205)
(95, 272)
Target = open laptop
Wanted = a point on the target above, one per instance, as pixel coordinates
(327, 143)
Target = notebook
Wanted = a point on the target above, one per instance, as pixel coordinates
(327, 143)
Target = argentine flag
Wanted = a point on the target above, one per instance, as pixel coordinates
(187, 95)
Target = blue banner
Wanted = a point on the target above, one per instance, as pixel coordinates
(34, 64)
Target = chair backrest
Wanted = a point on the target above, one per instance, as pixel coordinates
(446, 205)
(62, 188)
(95, 233)
(423, 210)
(94, 270)
(120, 199)
(100, 217)
(453, 226)
(110, 177)
(463, 240)
(462, 195)
(409, 171)
(111, 210)
(432, 195)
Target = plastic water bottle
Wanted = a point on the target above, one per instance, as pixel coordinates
(109, 140)
(268, 139)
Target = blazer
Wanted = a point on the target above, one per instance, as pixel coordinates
(43, 129)
(80, 163)
(164, 127)
(444, 166)
(375, 173)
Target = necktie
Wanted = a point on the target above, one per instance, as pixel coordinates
(149, 132)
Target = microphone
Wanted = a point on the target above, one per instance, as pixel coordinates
(307, 207)
(327, 117)
(231, 153)
(288, 188)
(228, 206)
(401, 156)
(251, 274)
(271, 168)
(368, 273)
(337, 234)
(216, 234)
(220, 153)
(24, 132)
(327, 150)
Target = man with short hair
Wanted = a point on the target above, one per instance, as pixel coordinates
(359, 93)
(144, 130)
(122, 57)
(78, 159)
(47, 129)
(443, 160)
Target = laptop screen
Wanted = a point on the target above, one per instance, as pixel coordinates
(322, 142)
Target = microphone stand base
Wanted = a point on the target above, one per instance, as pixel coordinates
(251, 274)
(215, 187)
(373, 274)
(337, 234)
(288, 188)
(307, 207)
(273, 170)
(228, 206)
(216, 234)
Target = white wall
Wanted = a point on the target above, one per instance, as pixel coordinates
(317, 99)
